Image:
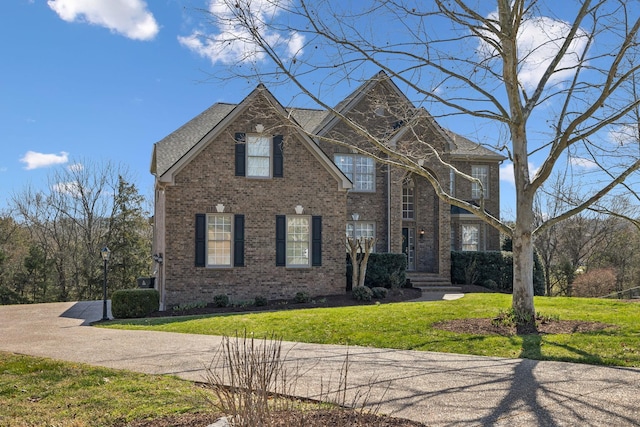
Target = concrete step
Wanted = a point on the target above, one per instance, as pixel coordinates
(429, 282)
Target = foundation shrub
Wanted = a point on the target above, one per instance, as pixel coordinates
(132, 303)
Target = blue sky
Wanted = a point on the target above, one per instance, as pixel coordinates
(104, 80)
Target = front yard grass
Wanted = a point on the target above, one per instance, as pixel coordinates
(43, 392)
(409, 326)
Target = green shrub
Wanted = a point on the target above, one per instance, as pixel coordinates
(301, 297)
(379, 292)
(362, 293)
(383, 270)
(221, 300)
(260, 301)
(489, 268)
(131, 303)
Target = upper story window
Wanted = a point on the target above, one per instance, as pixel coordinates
(258, 156)
(361, 230)
(452, 182)
(480, 172)
(408, 198)
(359, 169)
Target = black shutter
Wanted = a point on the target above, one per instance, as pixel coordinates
(201, 234)
(278, 159)
(281, 240)
(240, 154)
(238, 240)
(316, 241)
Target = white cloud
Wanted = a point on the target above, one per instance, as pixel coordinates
(127, 17)
(539, 40)
(71, 188)
(583, 163)
(506, 172)
(34, 160)
(233, 43)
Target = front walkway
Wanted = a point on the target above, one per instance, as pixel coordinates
(435, 388)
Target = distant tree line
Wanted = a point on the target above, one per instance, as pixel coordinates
(50, 240)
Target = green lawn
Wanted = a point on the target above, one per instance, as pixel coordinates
(409, 326)
(43, 392)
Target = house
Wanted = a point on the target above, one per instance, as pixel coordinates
(255, 199)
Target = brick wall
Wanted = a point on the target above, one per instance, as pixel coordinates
(209, 179)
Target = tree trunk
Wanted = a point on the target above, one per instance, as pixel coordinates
(522, 302)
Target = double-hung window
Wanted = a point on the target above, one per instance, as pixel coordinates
(219, 239)
(359, 169)
(298, 241)
(259, 156)
(480, 172)
(471, 237)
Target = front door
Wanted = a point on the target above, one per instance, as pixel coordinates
(409, 246)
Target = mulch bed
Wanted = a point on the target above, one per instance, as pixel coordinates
(394, 295)
(317, 418)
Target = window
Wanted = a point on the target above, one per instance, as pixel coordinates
(470, 237)
(452, 182)
(408, 206)
(219, 240)
(361, 229)
(258, 156)
(359, 169)
(481, 173)
(298, 241)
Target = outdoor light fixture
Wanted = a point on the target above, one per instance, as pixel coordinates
(422, 233)
(355, 216)
(105, 253)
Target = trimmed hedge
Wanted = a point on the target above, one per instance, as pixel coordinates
(493, 270)
(131, 303)
(383, 270)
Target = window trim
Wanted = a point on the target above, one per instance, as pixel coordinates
(353, 175)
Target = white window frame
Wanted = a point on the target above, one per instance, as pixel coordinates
(252, 170)
(215, 220)
(348, 164)
(470, 237)
(480, 172)
(408, 199)
(298, 241)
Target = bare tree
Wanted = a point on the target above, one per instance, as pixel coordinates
(554, 80)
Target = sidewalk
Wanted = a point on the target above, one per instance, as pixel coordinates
(437, 389)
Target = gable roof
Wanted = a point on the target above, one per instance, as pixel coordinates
(464, 148)
(174, 151)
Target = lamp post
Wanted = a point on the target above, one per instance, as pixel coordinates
(105, 253)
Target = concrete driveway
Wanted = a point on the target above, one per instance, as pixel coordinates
(435, 388)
